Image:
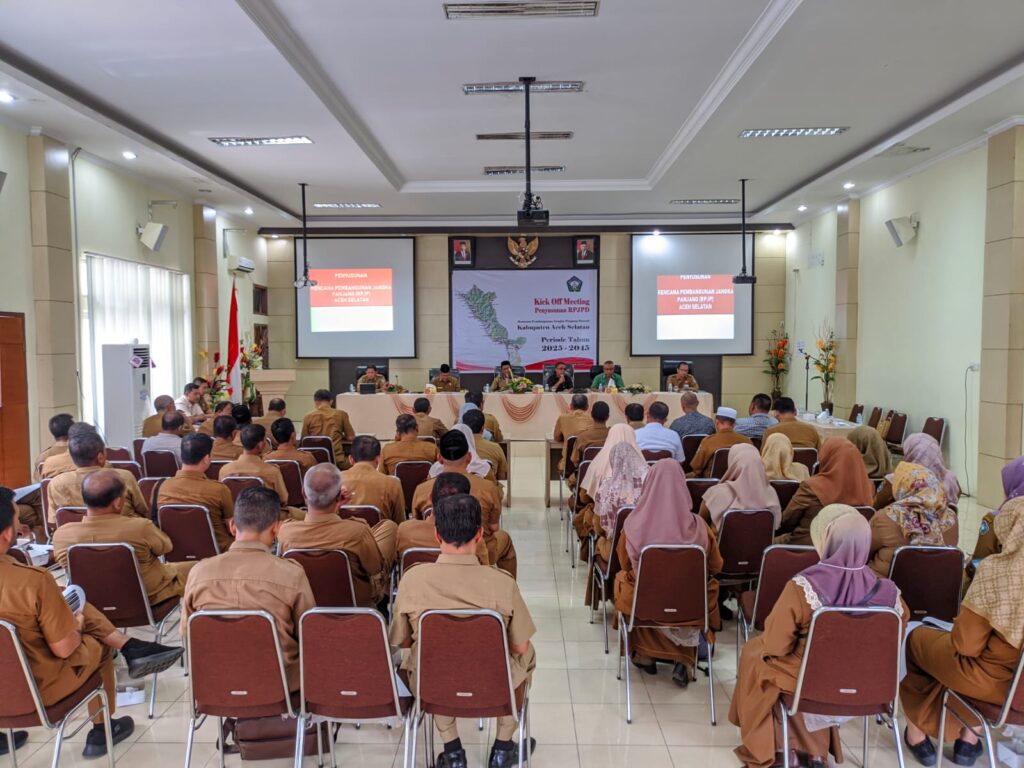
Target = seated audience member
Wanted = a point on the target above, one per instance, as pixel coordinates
(455, 457)
(620, 488)
(406, 446)
(504, 378)
(276, 409)
(458, 581)
(445, 381)
(288, 445)
(841, 479)
(635, 415)
(64, 649)
(204, 394)
(59, 463)
(801, 434)
(249, 577)
(725, 436)
(251, 464)
(770, 662)
(560, 380)
(655, 436)
(172, 426)
(608, 377)
(223, 408)
(988, 542)
(189, 405)
(30, 502)
(777, 456)
(601, 470)
(225, 430)
(368, 486)
(923, 449)
(59, 425)
(477, 466)
(758, 420)
(422, 533)
(151, 425)
(88, 453)
(595, 434)
(190, 485)
(242, 415)
(873, 450)
(103, 493)
(743, 486)
(427, 425)
(661, 517)
(572, 423)
(681, 379)
(492, 430)
(978, 658)
(485, 449)
(692, 422)
(329, 422)
(918, 516)
(371, 551)
(372, 377)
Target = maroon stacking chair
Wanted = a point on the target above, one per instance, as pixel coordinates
(17, 553)
(411, 474)
(22, 706)
(410, 557)
(117, 453)
(66, 515)
(897, 431)
(671, 590)
(554, 451)
(190, 530)
(930, 580)
(148, 487)
(427, 439)
(743, 537)
(781, 562)
(109, 575)
(238, 484)
(757, 442)
(691, 444)
(785, 490)
(137, 449)
(319, 441)
(44, 498)
(479, 685)
(330, 576)
(591, 451)
(875, 417)
(566, 473)
(806, 456)
(213, 471)
(367, 512)
(292, 474)
(574, 508)
(652, 456)
(131, 466)
(936, 427)
(866, 511)
(602, 575)
(856, 411)
(160, 463)
(322, 455)
(850, 667)
(235, 669)
(698, 486)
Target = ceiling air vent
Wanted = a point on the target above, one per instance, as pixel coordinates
(902, 148)
(705, 201)
(511, 170)
(519, 8)
(521, 135)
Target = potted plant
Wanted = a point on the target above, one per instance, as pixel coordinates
(825, 364)
(776, 360)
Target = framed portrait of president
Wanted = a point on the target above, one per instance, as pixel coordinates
(584, 251)
(462, 250)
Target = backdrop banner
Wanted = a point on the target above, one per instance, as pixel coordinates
(530, 317)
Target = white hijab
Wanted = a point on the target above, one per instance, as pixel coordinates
(477, 466)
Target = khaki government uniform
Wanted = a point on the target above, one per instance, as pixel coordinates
(445, 382)
(57, 449)
(422, 534)
(207, 426)
(65, 490)
(594, 435)
(406, 450)
(491, 425)
(191, 487)
(675, 381)
(430, 427)
(369, 486)
(459, 582)
(57, 464)
(152, 425)
(493, 453)
(371, 551)
(291, 453)
(163, 581)
(379, 381)
(330, 422)
(636, 424)
(248, 465)
(248, 577)
(569, 425)
(267, 420)
(225, 450)
(704, 458)
(800, 434)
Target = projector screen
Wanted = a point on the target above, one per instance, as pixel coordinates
(684, 301)
(363, 304)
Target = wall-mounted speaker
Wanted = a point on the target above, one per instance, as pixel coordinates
(152, 235)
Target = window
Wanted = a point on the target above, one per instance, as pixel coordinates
(259, 300)
(124, 301)
(261, 337)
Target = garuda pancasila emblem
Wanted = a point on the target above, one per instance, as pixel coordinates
(523, 253)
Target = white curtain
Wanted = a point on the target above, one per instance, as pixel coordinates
(124, 301)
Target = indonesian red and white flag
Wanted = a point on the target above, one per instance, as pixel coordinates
(234, 372)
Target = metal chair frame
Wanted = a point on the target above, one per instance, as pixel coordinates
(313, 550)
(351, 507)
(209, 523)
(728, 579)
(918, 547)
(162, 451)
(741, 621)
(599, 577)
(570, 516)
(570, 444)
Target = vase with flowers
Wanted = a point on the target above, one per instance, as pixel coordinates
(825, 364)
(250, 358)
(776, 360)
(216, 384)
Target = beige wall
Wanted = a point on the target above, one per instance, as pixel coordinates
(251, 246)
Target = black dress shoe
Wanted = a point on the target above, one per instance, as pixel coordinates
(20, 737)
(923, 752)
(96, 742)
(725, 612)
(149, 658)
(966, 754)
(502, 758)
(680, 675)
(650, 669)
(456, 759)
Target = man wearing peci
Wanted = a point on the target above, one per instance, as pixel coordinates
(504, 378)
(607, 377)
(445, 381)
(559, 380)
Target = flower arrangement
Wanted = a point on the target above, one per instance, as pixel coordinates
(217, 385)
(398, 389)
(250, 358)
(637, 389)
(825, 361)
(776, 359)
(520, 384)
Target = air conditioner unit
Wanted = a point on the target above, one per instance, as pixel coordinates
(240, 264)
(125, 384)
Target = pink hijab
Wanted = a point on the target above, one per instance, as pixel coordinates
(664, 512)
(843, 577)
(744, 486)
(924, 449)
(623, 487)
(601, 467)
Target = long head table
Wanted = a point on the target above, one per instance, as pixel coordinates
(522, 417)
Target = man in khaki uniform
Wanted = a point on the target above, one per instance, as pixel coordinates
(596, 434)
(372, 377)
(455, 457)
(287, 445)
(371, 551)
(725, 436)
(275, 410)
(458, 581)
(427, 424)
(635, 415)
(572, 423)
(250, 577)
(681, 379)
(330, 422)
(800, 433)
(251, 464)
(30, 505)
(190, 485)
(88, 453)
(368, 486)
(225, 430)
(59, 426)
(162, 404)
(223, 408)
(407, 445)
(491, 424)
(445, 381)
(422, 534)
(486, 450)
(103, 524)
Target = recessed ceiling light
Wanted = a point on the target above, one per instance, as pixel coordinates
(275, 236)
(6, 97)
(258, 141)
(346, 205)
(521, 136)
(128, 155)
(705, 201)
(776, 232)
(541, 86)
(517, 8)
(657, 233)
(789, 133)
(510, 170)
(849, 185)
(248, 210)
(801, 208)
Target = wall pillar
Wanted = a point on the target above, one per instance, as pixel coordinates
(844, 393)
(207, 312)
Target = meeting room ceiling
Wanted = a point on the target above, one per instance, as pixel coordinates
(668, 86)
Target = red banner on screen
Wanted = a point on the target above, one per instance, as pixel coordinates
(695, 295)
(351, 288)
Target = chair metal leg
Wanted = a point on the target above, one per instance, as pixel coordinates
(220, 730)
(428, 740)
(10, 746)
(604, 611)
(618, 664)
(942, 725)
(899, 741)
(561, 502)
(785, 733)
(629, 703)
(319, 747)
(190, 740)
(864, 758)
(711, 681)
(480, 725)
(300, 741)
(332, 745)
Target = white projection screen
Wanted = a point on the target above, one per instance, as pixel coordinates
(683, 299)
(364, 302)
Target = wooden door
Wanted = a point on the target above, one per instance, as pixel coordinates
(14, 445)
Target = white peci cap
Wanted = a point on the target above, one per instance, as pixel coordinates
(726, 413)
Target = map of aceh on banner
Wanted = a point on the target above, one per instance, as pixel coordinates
(531, 318)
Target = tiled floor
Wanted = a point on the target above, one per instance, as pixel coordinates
(578, 711)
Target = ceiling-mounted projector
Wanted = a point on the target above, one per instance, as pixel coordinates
(902, 230)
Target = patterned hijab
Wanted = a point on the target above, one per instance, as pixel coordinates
(744, 486)
(601, 466)
(872, 449)
(664, 512)
(622, 488)
(920, 506)
(924, 449)
(993, 592)
(477, 466)
(841, 476)
(777, 455)
(1013, 482)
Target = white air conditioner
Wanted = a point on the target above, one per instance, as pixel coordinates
(126, 392)
(240, 264)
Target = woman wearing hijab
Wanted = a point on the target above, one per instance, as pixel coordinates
(620, 489)
(777, 455)
(988, 540)
(663, 515)
(923, 449)
(477, 466)
(600, 470)
(743, 486)
(918, 516)
(841, 479)
(873, 450)
(978, 657)
(770, 663)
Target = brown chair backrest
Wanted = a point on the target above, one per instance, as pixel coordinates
(329, 574)
(614, 565)
(367, 512)
(652, 456)
(591, 451)
(866, 511)
(427, 439)
(18, 554)
(785, 490)
(235, 665)
(65, 515)
(671, 586)
(743, 536)
(238, 484)
(109, 575)
(416, 556)
(462, 668)
(691, 444)
(292, 474)
(719, 463)
(570, 446)
(44, 497)
(411, 474)
(875, 417)
(346, 686)
(856, 411)
(137, 449)
(930, 579)
(20, 705)
(191, 532)
(131, 466)
(806, 456)
(147, 487)
(213, 471)
(159, 463)
(897, 429)
(757, 441)
(780, 564)
(116, 453)
(318, 441)
(581, 472)
(936, 427)
(697, 487)
(322, 455)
